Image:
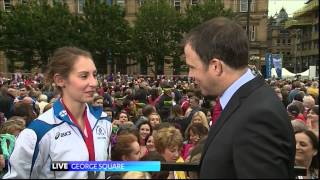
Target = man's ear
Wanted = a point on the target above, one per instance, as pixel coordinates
(215, 66)
(58, 80)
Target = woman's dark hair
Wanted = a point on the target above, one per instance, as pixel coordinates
(147, 110)
(176, 110)
(154, 92)
(122, 146)
(122, 112)
(155, 156)
(139, 126)
(197, 128)
(315, 144)
(24, 110)
(315, 109)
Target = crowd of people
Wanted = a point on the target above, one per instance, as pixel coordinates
(75, 114)
(139, 107)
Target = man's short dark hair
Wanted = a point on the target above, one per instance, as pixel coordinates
(220, 38)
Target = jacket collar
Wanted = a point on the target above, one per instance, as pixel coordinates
(61, 113)
(243, 92)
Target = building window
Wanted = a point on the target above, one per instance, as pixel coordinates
(177, 4)
(7, 5)
(289, 41)
(80, 6)
(283, 41)
(194, 2)
(252, 33)
(278, 41)
(235, 5)
(244, 5)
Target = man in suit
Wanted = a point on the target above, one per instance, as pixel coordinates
(252, 137)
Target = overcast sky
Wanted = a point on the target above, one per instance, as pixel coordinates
(289, 5)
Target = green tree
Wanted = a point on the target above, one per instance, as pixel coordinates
(32, 31)
(105, 33)
(156, 34)
(207, 9)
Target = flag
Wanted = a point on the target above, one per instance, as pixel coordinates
(277, 63)
(268, 57)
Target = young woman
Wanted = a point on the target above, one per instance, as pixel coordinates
(145, 130)
(313, 119)
(71, 130)
(126, 148)
(194, 133)
(307, 145)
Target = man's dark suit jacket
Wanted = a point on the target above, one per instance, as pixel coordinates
(253, 137)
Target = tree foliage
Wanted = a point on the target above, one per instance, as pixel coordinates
(33, 30)
(207, 9)
(156, 33)
(105, 33)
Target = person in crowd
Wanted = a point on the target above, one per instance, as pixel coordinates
(252, 137)
(285, 93)
(164, 104)
(293, 112)
(23, 92)
(195, 133)
(136, 175)
(295, 89)
(154, 119)
(71, 130)
(145, 130)
(298, 125)
(200, 117)
(146, 112)
(97, 101)
(150, 143)
(308, 103)
(153, 97)
(13, 126)
(194, 106)
(8, 131)
(25, 111)
(307, 145)
(168, 143)
(126, 148)
(109, 112)
(6, 101)
(177, 117)
(43, 101)
(155, 156)
(313, 119)
(277, 90)
(195, 157)
(313, 90)
(122, 118)
(47, 107)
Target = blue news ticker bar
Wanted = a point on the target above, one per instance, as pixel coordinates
(114, 166)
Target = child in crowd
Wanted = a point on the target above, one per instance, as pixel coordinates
(195, 133)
